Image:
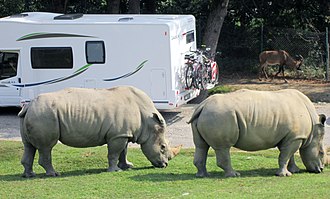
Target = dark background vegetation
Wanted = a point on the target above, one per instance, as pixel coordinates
(249, 26)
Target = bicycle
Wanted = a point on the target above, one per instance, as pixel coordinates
(213, 68)
(201, 71)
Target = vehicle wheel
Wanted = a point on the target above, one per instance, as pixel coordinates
(189, 77)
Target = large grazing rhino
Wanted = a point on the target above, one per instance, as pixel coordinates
(92, 117)
(258, 120)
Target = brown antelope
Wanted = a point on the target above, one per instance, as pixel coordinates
(278, 57)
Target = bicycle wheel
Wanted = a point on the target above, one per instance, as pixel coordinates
(189, 77)
(201, 78)
(204, 78)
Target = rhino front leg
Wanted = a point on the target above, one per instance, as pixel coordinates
(292, 167)
(27, 160)
(200, 158)
(123, 163)
(45, 160)
(115, 149)
(286, 153)
(223, 161)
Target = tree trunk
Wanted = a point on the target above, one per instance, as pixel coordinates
(66, 6)
(214, 24)
(27, 5)
(150, 6)
(59, 6)
(134, 6)
(114, 6)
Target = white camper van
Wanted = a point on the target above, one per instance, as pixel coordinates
(45, 52)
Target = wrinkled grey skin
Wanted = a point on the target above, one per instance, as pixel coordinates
(259, 120)
(92, 117)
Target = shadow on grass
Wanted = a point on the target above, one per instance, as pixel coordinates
(212, 175)
(18, 177)
(152, 177)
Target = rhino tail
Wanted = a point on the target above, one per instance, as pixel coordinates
(24, 110)
(196, 113)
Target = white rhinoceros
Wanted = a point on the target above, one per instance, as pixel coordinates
(258, 120)
(81, 117)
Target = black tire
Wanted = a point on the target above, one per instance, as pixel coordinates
(189, 77)
(201, 78)
(204, 79)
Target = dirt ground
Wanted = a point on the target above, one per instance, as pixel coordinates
(317, 90)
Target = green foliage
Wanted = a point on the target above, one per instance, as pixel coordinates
(249, 27)
(84, 176)
(220, 89)
(9, 7)
(253, 26)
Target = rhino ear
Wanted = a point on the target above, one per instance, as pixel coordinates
(322, 119)
(158, 119)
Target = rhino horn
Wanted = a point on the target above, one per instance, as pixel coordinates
(176, 150)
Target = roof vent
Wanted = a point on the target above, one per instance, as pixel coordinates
(125, 19)
(69, 16)
(19, 15)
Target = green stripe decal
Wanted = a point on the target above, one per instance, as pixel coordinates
(44, 35)
(76, 73)
(83, 68)
(127, 74)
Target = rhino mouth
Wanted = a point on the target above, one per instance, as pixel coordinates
(316, 170)
(160, 164)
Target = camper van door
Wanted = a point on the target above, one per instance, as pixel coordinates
(9, 95)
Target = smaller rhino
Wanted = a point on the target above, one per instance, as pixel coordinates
(80, 117)
(259, 120)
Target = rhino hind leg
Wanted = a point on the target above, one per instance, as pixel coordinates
(45, 160)
(286, 154)
(115, 148)
(224, 162)
(123, 163)
(27, 160)
(200, 158)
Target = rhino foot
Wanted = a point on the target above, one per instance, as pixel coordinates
(294, 169)
(202, 174)
(232, 174)
(28, 174)
(52, 174)
(114, 168)
(125, 166)
(282, 173)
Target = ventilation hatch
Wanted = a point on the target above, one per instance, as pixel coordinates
(19, 15)
(124, 19)
(69, 16)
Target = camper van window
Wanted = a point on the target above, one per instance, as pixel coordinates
(8, 64)
(95, 52)
(51, 57)
(190, 37)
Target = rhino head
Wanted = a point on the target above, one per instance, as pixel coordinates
(156, 147)
(314, 155)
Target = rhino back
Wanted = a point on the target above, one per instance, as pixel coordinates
(89, 117)
(255, 120)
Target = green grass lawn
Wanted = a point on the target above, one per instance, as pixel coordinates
(83, 175)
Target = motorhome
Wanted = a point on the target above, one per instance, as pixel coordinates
(45, 52)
